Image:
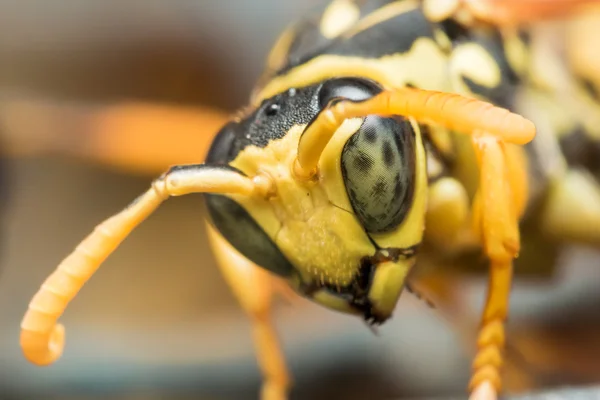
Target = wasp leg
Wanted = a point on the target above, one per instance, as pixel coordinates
(572, 208)
(496, 215)
(42, 339)
(254, 287)
(447, 218)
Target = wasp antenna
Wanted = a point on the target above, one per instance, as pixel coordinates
(453, 111)
(42, 339)
(458, 113)
(316, 136)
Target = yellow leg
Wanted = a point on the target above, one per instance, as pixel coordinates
(254, 287)
(496, 215)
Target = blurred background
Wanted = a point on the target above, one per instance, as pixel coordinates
(96, 99)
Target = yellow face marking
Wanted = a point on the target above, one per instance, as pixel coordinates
(339, 16)
(473, 61)
(424, 65)
(382, 14)
(387, 285)
(323, 241)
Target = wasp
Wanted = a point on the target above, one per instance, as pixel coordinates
(379, 130)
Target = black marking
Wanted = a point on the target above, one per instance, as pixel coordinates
(242, 231)
(525, 37)
(270, 121)
(589, 88)
(308, 41)
(395, 253)
(388, 154)
(392, 36)
(363, 162)
(455, 31)
(370, 134)
(356, 294)
(399, 188)
(379, 188)
(503, 94)
(582, 150)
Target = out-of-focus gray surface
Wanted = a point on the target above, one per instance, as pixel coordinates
(592, 393)
(567, 393)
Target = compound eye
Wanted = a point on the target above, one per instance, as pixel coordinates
(225, 145)
(378, 167)
(355, 89)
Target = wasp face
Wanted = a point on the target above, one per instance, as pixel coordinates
(346, 238)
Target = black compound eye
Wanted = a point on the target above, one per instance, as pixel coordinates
(224, 147)
(246, 235)
(378, 167)
(355, 89)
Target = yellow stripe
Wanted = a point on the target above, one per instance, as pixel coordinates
(382, 14)
(425, 65)
(339, 16)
